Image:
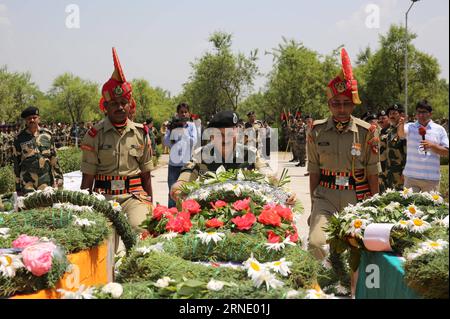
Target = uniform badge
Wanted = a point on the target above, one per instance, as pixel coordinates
(92, 132)
(340, 86)
(356, 149)
(118, 91)
(235, 118)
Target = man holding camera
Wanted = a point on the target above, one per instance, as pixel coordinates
(181, 137)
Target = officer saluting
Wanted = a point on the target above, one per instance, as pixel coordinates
(224, 151)
(35, 163)
(116, 157)
(343, 159)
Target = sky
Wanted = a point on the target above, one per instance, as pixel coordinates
(159, 39)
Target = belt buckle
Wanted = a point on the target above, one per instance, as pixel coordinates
(117, 185)
(342, 181)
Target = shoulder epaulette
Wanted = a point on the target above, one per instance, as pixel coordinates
(319, 122)
(364, 124)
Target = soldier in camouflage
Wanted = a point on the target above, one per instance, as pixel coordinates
(395, 150)
(383, 122)
(35, 163)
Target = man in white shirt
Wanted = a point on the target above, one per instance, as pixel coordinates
(426, 143)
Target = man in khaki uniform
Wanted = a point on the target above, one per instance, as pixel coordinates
(224, 152)
(116, 157)
(343, 158)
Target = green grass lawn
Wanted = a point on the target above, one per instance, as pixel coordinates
(444, 182)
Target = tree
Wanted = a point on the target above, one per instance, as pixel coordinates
(220, 79)
(151, 102)
(79, 99)
(16, 93)
(297, 81)
(384, 72)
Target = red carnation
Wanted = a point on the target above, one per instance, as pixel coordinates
(269, 217)
(180, 224)
(293, 238)
(159, 211)
(191, 206)
(245, 222)
(214, 223)
(284, 212)
(273, 238)
(218, 204)
(242, 205)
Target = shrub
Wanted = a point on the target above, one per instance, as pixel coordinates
(69, 159)
(7, 180)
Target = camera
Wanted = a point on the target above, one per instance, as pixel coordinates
(177, 122)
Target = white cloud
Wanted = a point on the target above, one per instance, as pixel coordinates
(4, 20)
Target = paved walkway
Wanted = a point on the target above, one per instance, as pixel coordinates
(299, 184)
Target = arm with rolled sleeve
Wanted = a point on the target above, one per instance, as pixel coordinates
(89, 158)
(313, 155)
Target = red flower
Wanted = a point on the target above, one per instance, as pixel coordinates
(159, 211)
(284, 212)
(273, 238)
(269, 217)
(245, 222)
(293, 238)
(191, 206)
(144, 235)
(242, 205)
(180, 224)
(214, 223)
(218, 204)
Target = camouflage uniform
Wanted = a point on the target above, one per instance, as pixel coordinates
(35, 163)
(300, 143)
(395, 159)
(382, 177)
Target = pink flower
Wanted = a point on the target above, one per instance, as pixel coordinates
(38, 258)
(24, 240)
(191, 206)
(242, 205)
(218, 204)
(245, 222)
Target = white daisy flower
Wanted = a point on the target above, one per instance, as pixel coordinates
(240, 176)
(114, 289)
(48, 191)
(434, 245)
(268, 278)
(116, 206)
(436, 198)
(406, 193)
(418, 225)
(98, 196)
(357, 226)
(317, 294)
(413, 212)
(440, 221)
(169, 236)
(418, 253)
(215, 285)
(402, 224)
(81, 293)
(4, 232)
(163, 282)
(292, 294)
(275, 246)
(206, 237)
(281, 266)
(84, 191)
(389, 191)
(159, 247)
(83, 222)
(392, 206)
(203, 194)
(253, 266)
(9, 264)
(221, 170)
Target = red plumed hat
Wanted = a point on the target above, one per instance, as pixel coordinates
(345, 82)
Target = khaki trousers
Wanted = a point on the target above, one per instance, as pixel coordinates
(421, 185)
(325, 202)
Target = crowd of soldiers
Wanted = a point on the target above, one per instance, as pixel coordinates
(63, 135)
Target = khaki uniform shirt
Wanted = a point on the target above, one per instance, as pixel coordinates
(330, 150)
(106, 152)
(244, 158)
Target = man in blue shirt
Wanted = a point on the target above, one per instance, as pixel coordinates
(181, 138)
(426, 142)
